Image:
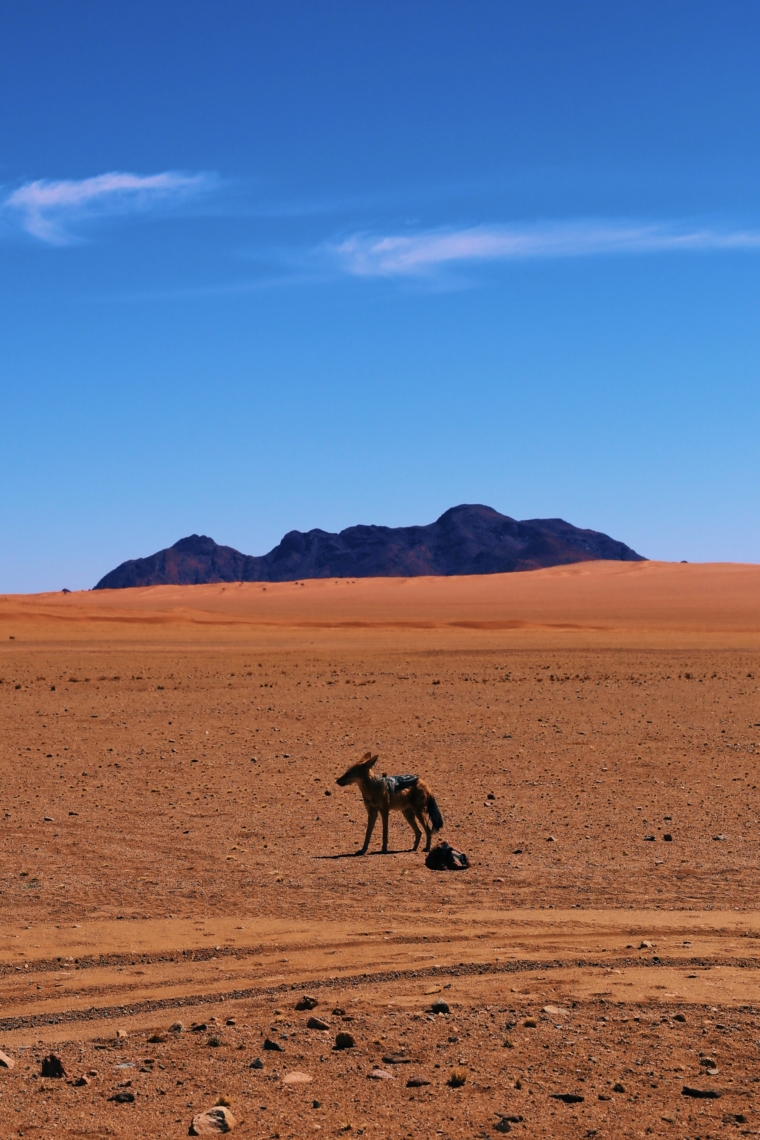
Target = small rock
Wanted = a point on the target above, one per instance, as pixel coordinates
(176, 1027)
(618, 1088)
(679, 1017)
(707, 1062)
(417, 1082)
(230, 1021)
(344, 1041)
(567, 1098)
(123, 1097)
(555, 1011)
(157, 1039)
(380, 1075)
(6, 1062)
(296, 1079)
(720, 838)
(339, 1011)
(316, 1023)
(80, 1082)
(52, 1066)
(711, 1072)
(215, 1120)
(272, 1045)
(645, 944)
(306, 1002)
(122, 1033)
(439, 1007)
(668, 1119)
(704, 1094)
(503, 1125)
(394, 1059)
(550, 839)
(667, 837)
(257, 1064)
(198, 1027)
(649, 839)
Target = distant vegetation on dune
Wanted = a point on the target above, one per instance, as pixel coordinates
(464, 540)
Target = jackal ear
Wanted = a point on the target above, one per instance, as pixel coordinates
(367, 756)
(372, 762)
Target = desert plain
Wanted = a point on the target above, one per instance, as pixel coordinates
(178, 866)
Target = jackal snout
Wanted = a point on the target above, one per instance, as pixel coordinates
(357, 771)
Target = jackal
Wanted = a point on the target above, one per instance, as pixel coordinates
(384, 794)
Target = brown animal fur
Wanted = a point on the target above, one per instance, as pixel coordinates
(378, 797)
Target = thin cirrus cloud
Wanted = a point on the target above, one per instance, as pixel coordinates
(429, 252)
(56, 211)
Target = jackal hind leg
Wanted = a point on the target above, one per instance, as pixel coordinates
(371, 820)
(428, 832)
(409, 817)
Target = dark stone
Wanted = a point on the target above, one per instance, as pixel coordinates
(439, 1007)
(123, 1097)
(391, 1060)
(344, 1041)
(704, 1094)
(272, 1045)
(567, 1098)
(417, 1083)
(52, 1066)
(468, 539)
(444, 857)
(306, 1002)
(316, 1023)
(618, 1088)
(257, 1064)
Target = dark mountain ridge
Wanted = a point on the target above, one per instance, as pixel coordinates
(464, 540)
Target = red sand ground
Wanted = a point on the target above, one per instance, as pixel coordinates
(171, 853)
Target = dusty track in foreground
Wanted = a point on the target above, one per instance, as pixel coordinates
(153, 871)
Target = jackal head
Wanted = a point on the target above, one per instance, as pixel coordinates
(357, 772)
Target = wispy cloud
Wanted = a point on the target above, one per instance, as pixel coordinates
(427, 252)
(55, 212)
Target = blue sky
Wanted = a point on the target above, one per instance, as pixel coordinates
(274, 266)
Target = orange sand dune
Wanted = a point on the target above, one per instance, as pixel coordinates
(595, 603)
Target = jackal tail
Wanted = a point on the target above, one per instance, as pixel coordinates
(434, 812)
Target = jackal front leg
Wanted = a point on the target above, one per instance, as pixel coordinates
(371, 817)
(385, 833)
